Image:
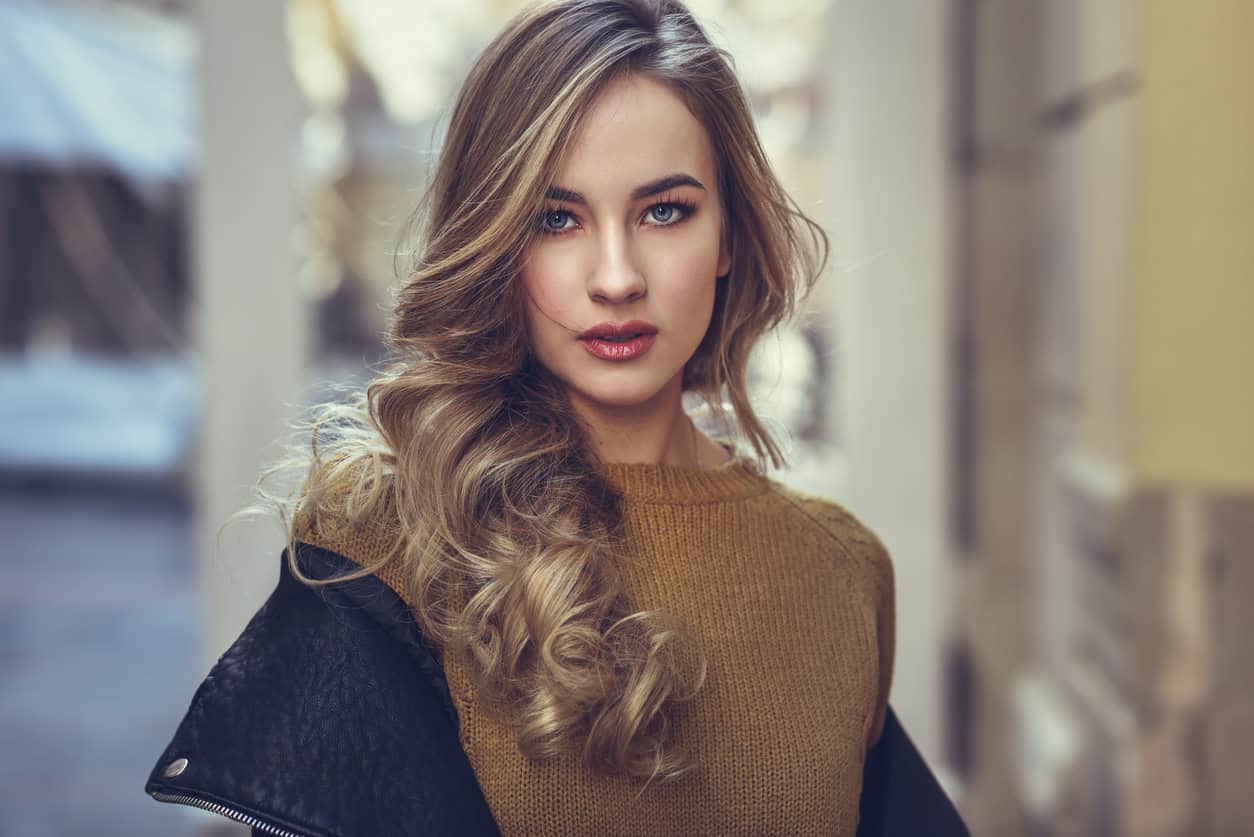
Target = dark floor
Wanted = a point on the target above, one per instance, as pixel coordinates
(98, 649)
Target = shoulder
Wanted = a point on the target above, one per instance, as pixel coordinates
(829, 520)
(353, 512)
(323, 685)
(319, 643)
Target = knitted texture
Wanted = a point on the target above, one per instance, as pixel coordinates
(792, 598)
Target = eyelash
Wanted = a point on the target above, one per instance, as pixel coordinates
(685, 207)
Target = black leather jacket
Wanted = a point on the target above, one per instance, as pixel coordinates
(329, 717)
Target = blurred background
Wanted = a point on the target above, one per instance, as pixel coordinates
(1029, 366)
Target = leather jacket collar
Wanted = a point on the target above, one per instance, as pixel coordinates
(327, 717)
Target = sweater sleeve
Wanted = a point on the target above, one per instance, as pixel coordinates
(886, 635)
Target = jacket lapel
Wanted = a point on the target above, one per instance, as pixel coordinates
(327, 716)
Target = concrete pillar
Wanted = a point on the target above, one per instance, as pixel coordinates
(996, 64)
(250, 321)
(890, 191)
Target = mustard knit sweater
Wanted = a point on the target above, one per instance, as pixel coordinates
(793, 598)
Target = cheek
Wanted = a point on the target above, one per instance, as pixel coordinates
(685, 275)
(549, 291)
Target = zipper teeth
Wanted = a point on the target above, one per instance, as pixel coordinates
(226, 811)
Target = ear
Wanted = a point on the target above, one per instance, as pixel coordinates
(724, 252)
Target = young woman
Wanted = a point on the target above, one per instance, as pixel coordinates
(522, 591)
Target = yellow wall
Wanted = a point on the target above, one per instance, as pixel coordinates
(1191, 302)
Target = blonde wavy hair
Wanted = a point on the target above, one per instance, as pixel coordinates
(465, 454)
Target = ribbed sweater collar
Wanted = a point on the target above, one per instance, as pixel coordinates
(644, 482)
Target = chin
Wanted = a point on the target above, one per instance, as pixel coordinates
(622, 394)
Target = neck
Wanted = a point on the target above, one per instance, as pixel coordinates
(656, 431)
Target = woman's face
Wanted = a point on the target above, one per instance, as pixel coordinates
(631, 234)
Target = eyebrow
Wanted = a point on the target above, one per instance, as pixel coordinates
(654, 187)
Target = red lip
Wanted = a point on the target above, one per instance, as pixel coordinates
(635, 337)
(618, 329)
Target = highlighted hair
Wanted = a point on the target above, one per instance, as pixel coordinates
(465, 455)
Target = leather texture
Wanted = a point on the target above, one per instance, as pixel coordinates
(329, 717)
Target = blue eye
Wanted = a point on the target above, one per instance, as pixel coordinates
(665, 214)
(553, 220)
(668, 213)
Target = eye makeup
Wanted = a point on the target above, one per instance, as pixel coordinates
(555, 214)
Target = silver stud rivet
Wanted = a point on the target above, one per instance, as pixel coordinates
(175, 767)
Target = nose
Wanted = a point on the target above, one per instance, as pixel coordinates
(616, 276)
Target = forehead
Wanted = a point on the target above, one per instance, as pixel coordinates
(636, 130)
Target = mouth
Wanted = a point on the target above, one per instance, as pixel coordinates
(619, 342)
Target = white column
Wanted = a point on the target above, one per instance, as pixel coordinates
(251, 324)
(890, 190)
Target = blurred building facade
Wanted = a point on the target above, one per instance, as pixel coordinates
(1106, 399)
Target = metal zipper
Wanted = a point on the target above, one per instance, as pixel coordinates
(226, 811)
